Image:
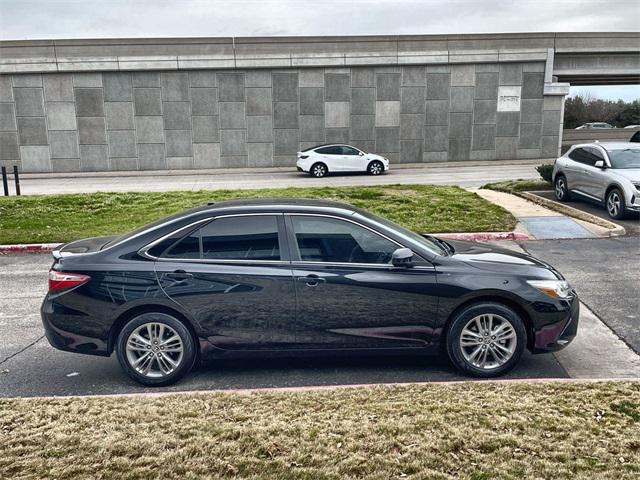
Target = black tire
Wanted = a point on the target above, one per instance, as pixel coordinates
(187, 359)
(614, 203)
(561, 189)
(375, 168)
(466, 316)
(318, 170)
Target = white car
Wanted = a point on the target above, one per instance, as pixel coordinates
(336, 157)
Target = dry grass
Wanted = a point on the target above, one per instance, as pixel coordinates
(475, 431)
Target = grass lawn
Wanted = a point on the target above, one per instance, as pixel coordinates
(60, 218)
(472, 431)
(519, 185)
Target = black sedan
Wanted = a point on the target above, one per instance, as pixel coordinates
(291, 276)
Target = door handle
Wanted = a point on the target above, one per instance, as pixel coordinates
(180, 275)
(312, 280)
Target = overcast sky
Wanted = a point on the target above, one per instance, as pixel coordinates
(31, 19)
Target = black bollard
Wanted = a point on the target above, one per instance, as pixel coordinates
(16, 178)
(5, 185)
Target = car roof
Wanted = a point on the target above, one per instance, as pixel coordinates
(329, 145)
(284, 204)
(607, 145)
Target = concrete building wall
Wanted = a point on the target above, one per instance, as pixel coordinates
(196, 119)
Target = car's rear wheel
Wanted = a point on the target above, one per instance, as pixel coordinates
(155, 349)
(615, 204)
(486, 340)
(375, 168)
(561, 189)
(318, 170)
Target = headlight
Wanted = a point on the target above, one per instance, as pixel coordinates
(553, 288)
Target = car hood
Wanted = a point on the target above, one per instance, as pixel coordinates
(628, 173)
(496, 259)
(373, 156)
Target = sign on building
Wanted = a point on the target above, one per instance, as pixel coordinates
(509, 98)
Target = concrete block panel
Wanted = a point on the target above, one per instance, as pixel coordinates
(29, 102)
(532, 85)
(461, 99)
(387, 139)
(151, 156)
(32, 131)
(311, 101)
(436, 138)
(286, 142)
(175, 87)
(529, 153)
(58, 87)
(551, 122)
(312, 128)
(363, 101)
(122, 143)
(230, 87)
(429, 157)
(147, 101)
(117, 86)
(258, 78)
(206, 130)
(119, 115)
(412, 100)
(387, 114)
(8, 117)
(63, 144)
(484, 137)
(363, 127)
(459, 149)
(363, 77)
(149, 129)
(531, 111)
(233, 142)
(202, 78)
(463, 75)
(486, 68)
(533, 67)
(206, 155)
(460, 125)
(368, 146)
(486, 86)
(438, 69)
(123, 164)
(508, 124)
(553, 102)
(179, 163)
(437, 112)
(285, 87)
(336, 114)
(337, 87)
(9, 146)
(311, 77)
(177, 115)
(260, 128)
(438, 86)
(510, 74)
(550, 146)
(233, 161)
(484, 111)
(65, 165)
(337, 135)
(89, 102)
(530, 136)
(232, 115)
(411, 126)
(388, 69)
(35, 159)
(92, 131)
(388, 86)
(482, 155)
(285, 115)
(259, 101)
(93, 80)
(6, 91)
(146, 79)
(411, 151)
(260, 154)
(61, 116)
(94, 158)
(178, 143)
(204, 101)
(28, 80)
(414, 76)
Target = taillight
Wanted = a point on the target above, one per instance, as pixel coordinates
(63, 281)
(304, 156)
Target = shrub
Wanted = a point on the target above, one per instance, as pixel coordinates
(545, 172)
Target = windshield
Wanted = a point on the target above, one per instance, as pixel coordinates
(407, 234)
(625, 158)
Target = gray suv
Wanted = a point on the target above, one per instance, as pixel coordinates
(607, 172)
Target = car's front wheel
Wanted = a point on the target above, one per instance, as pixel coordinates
(155, 349)
(486, 339)
(375, 168)
(615, 204)
(318, 170)
(561, 189)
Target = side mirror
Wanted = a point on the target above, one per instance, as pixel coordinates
(600, 164)
(402, 257)
(361, 154)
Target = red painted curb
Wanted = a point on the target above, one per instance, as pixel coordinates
(29, 248)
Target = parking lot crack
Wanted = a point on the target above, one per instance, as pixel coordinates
(21, 350)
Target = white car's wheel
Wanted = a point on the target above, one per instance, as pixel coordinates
(375, 168)
(318, 170)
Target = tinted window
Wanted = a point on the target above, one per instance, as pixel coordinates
(330, 150)
(596, 155)
(582, 155)
(323, 239)
(625, 158)
(349, 151)
(187, 247)
(241, 238)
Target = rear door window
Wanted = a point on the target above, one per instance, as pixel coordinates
(330, 150)
(349, 151)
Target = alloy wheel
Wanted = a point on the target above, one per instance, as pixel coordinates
(560, 188)
(613, 204)
(375, 168)
(319, 170)
(488, 341)
(154, 350)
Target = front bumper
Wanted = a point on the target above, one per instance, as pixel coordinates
(557, 335)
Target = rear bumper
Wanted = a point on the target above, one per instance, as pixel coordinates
(557, 335)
